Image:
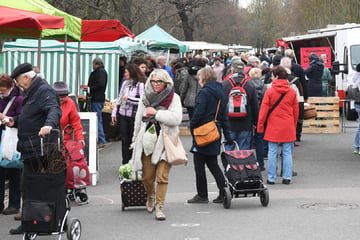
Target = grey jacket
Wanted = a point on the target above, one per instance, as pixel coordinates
(189, 89)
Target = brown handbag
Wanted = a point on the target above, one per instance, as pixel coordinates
(208, 132)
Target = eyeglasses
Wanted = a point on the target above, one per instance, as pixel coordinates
(156, 82)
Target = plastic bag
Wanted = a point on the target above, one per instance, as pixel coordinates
(149, 140)
(9, 142)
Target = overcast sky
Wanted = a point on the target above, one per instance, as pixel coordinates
(244, 3)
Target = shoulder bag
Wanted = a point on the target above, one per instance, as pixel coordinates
(208, 132)
(175, 152)
(9, 157)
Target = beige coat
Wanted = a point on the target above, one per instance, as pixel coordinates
(169, 119)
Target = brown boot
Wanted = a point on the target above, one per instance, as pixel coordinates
(159, 214)
(150, 203)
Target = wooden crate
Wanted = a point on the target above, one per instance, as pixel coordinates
(328, 116)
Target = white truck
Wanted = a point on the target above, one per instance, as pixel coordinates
(338, 46)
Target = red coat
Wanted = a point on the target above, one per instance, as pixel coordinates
(281, 124)
(71, 116)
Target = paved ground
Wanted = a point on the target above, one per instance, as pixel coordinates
(322, 202)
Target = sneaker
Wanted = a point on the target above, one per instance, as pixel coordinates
(356, 151)
(218, 199)
(198, 199)
(296, 145)
(10, 211)
(16, 231)
(103, 145)
(286, 181)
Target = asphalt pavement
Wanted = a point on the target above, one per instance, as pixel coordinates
(322, 202)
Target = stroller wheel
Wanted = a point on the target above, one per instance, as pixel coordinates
(83, 197)
(29, 236)
(73, 231)
(264, 197)
(227, 198)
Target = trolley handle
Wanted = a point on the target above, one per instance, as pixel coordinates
(58, 141)
(68, 130)
(234, 143)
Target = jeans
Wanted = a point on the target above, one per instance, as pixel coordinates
(242, 138)
(14, 176)
(357, 134)
(201, 183)
(126, 133)
(287, 162)
(259, 147)
(160, 173)
(97, 107)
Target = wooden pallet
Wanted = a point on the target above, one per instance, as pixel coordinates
(328, 116)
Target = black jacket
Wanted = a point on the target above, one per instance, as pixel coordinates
(204, 111)
(314, 73)
(298, 71)
(40, 108)
(97, 84)
(252, 107)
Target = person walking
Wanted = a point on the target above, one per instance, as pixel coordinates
(41, 109)
(190, 87)
(206, 104)
(128, 101)
(97, 84)
(159, 108)
(10, 99)
(356, 84)
(280, 124)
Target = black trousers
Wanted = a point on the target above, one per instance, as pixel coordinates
(300, 121)
(14, 176)
(201, 183)
(126, 134)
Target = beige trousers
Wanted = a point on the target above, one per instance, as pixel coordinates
(160, 173)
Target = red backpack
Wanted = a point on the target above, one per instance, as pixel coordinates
(237, 99)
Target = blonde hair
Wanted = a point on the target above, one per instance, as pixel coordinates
(207, 75)
(162, 75)
(255, 73)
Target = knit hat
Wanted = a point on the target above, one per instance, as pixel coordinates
(313, 56)
(237, 63)
(61, 88)
(253, 59)
(20, 69)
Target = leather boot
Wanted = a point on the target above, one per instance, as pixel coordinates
(159, 214)
(150, 203)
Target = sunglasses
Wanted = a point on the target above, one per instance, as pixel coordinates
(156, 82)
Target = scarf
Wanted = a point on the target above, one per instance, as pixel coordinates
(161, 100)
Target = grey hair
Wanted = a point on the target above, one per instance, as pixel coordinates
(285, 62)
(31, 74)
(289, 53)
(98, 61)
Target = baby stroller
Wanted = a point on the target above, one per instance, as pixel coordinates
(243, 176)
(45, 206)
(77, 174)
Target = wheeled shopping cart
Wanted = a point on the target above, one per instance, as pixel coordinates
(45, 208)
(243, 176)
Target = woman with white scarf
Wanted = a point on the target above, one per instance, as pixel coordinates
(159, 111)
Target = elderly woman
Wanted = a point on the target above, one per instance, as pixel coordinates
(279, 111)
(70, 115)
(8, 91)
(206, 105)
(159, 109)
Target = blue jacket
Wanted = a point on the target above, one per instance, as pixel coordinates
(40, 108)
(204, 111)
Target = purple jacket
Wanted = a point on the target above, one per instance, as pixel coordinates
(16, 106)
(134, 93)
